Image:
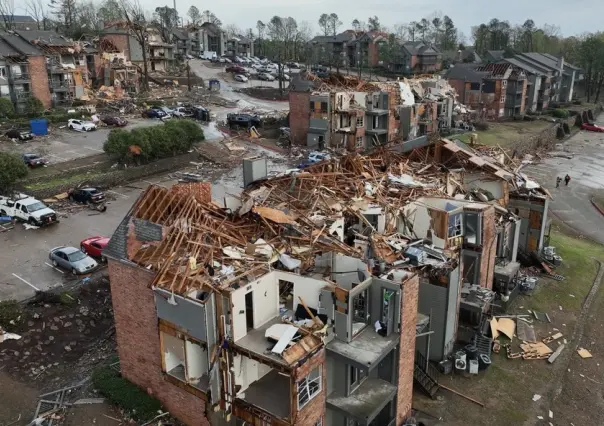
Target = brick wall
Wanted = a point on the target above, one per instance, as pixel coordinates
(120, 41)
(39, 79)
(299, 116)
(137, 334)
(315, 409)
(373, 54)
(404, 395)
(489, 248)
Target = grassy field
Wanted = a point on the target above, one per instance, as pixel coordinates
(506, 134)
(508, 386)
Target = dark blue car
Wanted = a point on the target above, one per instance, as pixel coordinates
(154, 113)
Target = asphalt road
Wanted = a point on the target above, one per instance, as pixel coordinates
(571, 204)
(24, 264)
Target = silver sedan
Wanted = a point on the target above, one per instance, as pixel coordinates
(72, 259)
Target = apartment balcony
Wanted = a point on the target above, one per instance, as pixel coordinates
(60, 86)
(58, 69)
(20, 78)
(22, 96)
(376, 131)
(365, 403)
(376, 111)
(366, 349)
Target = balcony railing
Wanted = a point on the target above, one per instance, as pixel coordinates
(22, 95)
(21, 76)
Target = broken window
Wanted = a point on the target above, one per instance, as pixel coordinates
(474, 86)
(503, 98)
(323, 106)
(360, 311)
(184, 359)
(504, 83)
(455, 225)
(359, 143)
(309, 387)
(3, 72)
(360, 121)
(471, 267)
(319, 422)
(355, 377)
(473, 230)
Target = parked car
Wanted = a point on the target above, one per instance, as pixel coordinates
(235, 69)
(21, 135)
(200, 113)
(166, 110)
(322, 74)
(182, 112)
(34, 160)
(293, 65)
(266, 77)
(241, 78)
(155, 113)
(283, 77)
(315, 157)
(257, 66)
(114, 121)
(94, 246)
(243, 120)
(81, 125)
(72, 259)
(27, 209)
(189, 57)
(592, 127)
(86, 195)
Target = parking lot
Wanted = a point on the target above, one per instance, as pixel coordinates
(64, 144)
(24, 263)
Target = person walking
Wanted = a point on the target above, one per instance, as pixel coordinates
(558, 181)
(566, 179)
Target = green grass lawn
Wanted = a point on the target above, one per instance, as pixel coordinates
(505, 134)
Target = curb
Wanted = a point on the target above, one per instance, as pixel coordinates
(598, 208)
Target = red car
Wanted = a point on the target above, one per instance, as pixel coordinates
(592, 127)
(235, 69)
(94, 246)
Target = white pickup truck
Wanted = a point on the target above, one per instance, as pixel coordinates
(27, 209)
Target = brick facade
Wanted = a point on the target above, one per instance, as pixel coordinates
(489, 248)
(120, 41)
(404, 397)
(39, 80)
(136, 326)
(310, 414)
(299, 116)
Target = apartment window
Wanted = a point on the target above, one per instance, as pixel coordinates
(2, 71)
(360, 143)
(360, 121)
(504, 83)
(455, 225)
(474, 86)
(473, 231)
(502, 99)
(309, 387)
(356, 377)
(319, 422)
(323, 106)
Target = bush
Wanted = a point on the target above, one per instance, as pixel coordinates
(173, 138)
(126, 395)
(11, 314)
(560, 113)
(7, 108)
(12, 169)
(33, 107)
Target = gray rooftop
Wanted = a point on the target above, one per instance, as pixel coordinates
(465, 72)
(7, 50)
(17, 18)
(367, 348)
(20, 45)
(366, 401)
(522, 65)
(50, 38)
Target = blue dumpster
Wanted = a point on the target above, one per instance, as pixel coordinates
(39, 127)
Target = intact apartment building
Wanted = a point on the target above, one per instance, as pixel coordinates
(496, 90)
(360, 120)
(348, 49)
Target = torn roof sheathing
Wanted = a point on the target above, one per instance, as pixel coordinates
(191, 242)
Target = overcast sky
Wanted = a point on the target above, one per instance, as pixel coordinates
(572, 17)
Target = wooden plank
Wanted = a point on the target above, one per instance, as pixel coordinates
(556, 354)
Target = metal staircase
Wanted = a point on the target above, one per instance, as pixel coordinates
(425, 375)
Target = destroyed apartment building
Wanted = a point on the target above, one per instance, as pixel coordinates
(343, 112)
(297, 303)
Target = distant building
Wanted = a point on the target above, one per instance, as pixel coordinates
(19, 22)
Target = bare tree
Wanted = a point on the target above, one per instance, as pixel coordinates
(137, 21)
(35, 8)
(232, 30)
(208, 16)
(7, 9)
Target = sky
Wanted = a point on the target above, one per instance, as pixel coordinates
(572, 18)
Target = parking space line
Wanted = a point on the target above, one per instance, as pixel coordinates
(26, 282)
(56, 269)
(116, 193)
